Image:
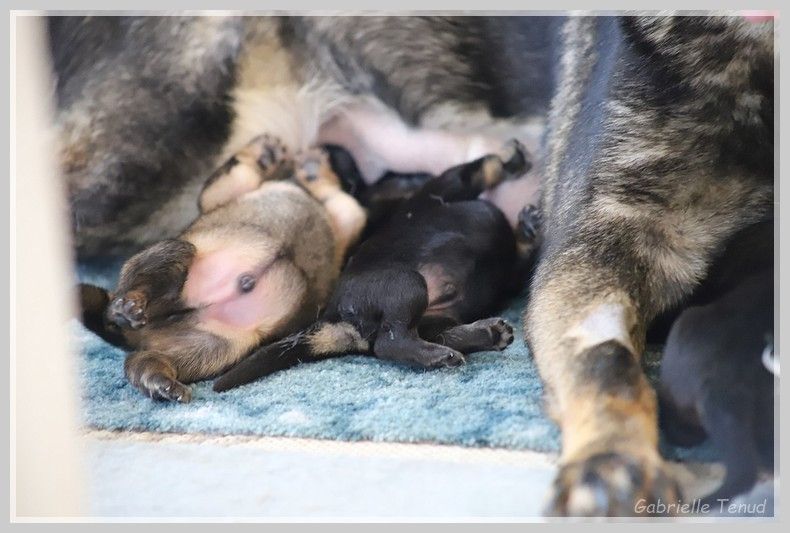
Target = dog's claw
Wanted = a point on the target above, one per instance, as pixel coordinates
(515, 159)
(162, 388)
(444, 358)
(610, 484)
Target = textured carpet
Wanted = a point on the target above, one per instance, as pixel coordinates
(493, 400)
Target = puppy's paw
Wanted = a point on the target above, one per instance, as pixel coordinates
(160, 387)
(515, 159)
(611, 484)
(128, 311)
(510, 163)
(314, 173)
(441, 357)
(269, 151)
(501, 333)
(530, 221)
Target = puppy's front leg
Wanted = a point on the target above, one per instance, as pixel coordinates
(150, 283)
(346, 217)
(586, 333)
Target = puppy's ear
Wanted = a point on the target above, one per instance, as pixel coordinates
(264, 158)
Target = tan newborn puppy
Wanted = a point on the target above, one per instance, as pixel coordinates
(258, 264)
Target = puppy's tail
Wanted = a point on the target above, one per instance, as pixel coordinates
(322, 340)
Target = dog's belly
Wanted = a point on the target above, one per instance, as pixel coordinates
(273, 292)
(380, 141)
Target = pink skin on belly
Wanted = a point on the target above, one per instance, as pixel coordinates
(213, 285)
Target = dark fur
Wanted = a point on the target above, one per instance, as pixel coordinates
(659, 149)
(416, 290)
(714, 383)
(123, 81)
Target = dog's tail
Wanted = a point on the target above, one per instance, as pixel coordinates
(320, 341)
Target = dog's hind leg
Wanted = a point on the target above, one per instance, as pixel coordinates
(483, 335)
(467, 181)
(93, 304)
(586, 332)
(150, 283)
(401, 311)
(321, 341)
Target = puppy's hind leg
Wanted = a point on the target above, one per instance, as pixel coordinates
(150, 283)
(93, 304)
(467, 181)
(262, 159)
(346, 217)
(323, 340)
(483, 335)
(397, 338)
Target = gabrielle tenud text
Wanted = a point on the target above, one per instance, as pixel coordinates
(722, 506)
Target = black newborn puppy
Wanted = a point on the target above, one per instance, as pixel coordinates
(714, 382)
(417, 290)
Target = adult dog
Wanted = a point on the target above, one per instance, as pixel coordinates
(658, 148)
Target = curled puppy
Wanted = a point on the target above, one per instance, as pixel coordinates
(715, 384)
(258, 264)
(417, 291)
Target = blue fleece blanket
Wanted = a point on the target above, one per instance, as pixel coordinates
(494, 400)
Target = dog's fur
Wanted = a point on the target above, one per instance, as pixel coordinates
(258, 264)
(201, 88)
(659, 148)
(418, 289)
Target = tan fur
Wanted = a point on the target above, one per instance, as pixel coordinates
(333, 337)
(293, 233)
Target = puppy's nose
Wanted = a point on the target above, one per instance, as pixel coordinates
(246, 283)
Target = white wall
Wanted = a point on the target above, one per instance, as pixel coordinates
(45, 469)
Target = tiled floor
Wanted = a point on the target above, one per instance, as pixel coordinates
(141, 478)
(147, 475)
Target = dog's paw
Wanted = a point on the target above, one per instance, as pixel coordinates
(500, 331)
(128, 310)
(160, 387)
(515, 159)
(440, 357)
(501, 334)
(314, 173)
(269, 151)
(611, 484)
(530, 221)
